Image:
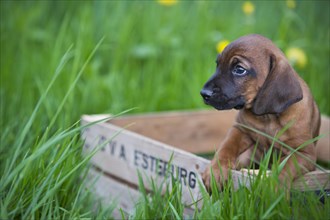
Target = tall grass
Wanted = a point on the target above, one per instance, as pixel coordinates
(152, 57)
(41, 171)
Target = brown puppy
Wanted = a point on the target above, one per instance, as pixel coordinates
(253, 75)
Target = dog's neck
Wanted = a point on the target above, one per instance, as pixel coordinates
(263, 118)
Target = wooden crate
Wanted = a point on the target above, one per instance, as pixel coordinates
(148, 143)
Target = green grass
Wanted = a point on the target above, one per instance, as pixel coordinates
(60, 60)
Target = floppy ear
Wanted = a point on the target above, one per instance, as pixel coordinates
(280, 89)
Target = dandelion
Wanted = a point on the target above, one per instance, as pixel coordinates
(296, 57)
(291, 4)
(221, 45)
(167, 2)
(248, 8)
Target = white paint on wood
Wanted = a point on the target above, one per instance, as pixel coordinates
(127, 153)
(110, 191)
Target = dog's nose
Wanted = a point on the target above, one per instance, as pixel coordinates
(206, 94)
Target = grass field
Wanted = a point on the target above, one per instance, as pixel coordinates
(62, 59)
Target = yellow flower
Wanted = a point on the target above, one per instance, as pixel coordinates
(167, 2)
(248, 7)
(291, 4)
(221, 45)
(296, 57)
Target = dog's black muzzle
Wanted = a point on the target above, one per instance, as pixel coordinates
(220, 101)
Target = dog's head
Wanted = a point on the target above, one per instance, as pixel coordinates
(252, 73)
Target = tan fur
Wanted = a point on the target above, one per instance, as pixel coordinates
(272, 73)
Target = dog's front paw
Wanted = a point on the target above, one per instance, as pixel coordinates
(216, 175)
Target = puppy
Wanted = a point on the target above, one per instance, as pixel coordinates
(254, 77)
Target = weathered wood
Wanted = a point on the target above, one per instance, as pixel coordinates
(163, 139)
(314, 180)
(123, 195)
(109, 190)
(195, 132)
(323, 145)
(200, 132)
(123, 155)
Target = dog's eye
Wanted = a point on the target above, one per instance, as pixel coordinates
(239, 71)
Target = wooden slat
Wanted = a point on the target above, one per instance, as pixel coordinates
(109, 190)
(323, 145)
(314, 180)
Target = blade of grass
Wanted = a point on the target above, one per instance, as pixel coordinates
(72, 86)
(177, 217)
(122, 213)
(267, 214)
(293, 151)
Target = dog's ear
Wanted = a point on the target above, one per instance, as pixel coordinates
(280, 89)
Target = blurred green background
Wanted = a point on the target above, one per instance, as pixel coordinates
(153, 55)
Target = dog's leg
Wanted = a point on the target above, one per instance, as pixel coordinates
(225, 158)
(250, 156)
(298, 164)
(244, 159)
